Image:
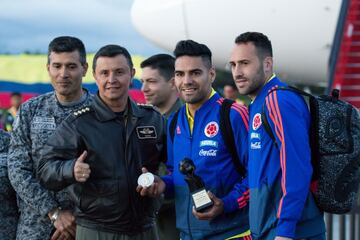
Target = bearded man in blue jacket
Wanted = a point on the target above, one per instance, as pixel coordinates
(281, 204)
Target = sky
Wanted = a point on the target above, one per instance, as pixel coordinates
(29, 25)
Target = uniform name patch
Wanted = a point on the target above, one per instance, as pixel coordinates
(145, 132)
(255, 135)
(209, 143)
(46, 123)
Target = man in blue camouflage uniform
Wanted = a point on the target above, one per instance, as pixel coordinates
(43, 213)
(9, 211)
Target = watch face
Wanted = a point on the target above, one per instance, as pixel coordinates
(146, 179)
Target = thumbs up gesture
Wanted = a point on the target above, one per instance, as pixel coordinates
(81, 169)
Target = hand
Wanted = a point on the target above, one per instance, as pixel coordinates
(65, 226)
(216, 209)
(155, 189)
(282, 238)
(81, 169)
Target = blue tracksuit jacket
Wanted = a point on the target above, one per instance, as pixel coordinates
(279, 177)
(214, 165)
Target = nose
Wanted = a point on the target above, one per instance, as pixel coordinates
(236, 70)
(64, 73)
(144, 87)
(187, 79)
(111, 78)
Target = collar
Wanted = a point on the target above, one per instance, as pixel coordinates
(174, 108)
(82, 99)
(188, 115)
(190, 118)
(273, 81)
(104, 113)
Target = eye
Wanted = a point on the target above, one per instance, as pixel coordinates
(119, 72)
(197, 73)
(231, 65)
(104, 73)
(72, 66)
(179, 74)
(57, 66)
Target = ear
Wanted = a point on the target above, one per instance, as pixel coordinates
(268, 64)
(96, 81)
(85, 66)
(133, 71)
(48, 67)
(212, 73)
(171, 82)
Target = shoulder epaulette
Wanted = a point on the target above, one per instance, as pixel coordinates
(148, 107)
(145, 105)
(81, 111)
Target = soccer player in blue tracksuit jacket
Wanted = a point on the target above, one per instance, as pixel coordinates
(198, 137)
(281, 204)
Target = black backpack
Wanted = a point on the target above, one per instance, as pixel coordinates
(226, 132)
(335, 149)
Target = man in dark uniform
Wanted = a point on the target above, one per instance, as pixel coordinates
(100, 151)
(9, 211)
(40, 209)
(159, 90)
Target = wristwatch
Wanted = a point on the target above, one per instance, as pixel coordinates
(54, 216)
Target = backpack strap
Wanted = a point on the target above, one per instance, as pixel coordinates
(313, 139)
(264, 119)
(228, 135)
(172, 125)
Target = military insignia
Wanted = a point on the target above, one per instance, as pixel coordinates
(45, 123)
(81, 111)
(146, 132)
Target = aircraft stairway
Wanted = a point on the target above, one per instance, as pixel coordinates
(346, 75)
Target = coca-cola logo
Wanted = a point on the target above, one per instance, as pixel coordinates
(208, 153)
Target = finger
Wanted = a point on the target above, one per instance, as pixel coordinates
(153, 189)
(211, 195)
(65, 235)
(56, 235)
(83, 166)
(215, 200)
(71, 232)
(139, 188)
(195, 213)
(144, 191)
(81, 179)
(82, 157)
(203, 215)
(144, 170)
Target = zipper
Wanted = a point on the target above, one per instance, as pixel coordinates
(134, 216)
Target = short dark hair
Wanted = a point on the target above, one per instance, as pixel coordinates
(67, 44)
(15, 94)
(164, 63)
(232, 85)
(260, 41)
(112, 50)
(192, 48)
